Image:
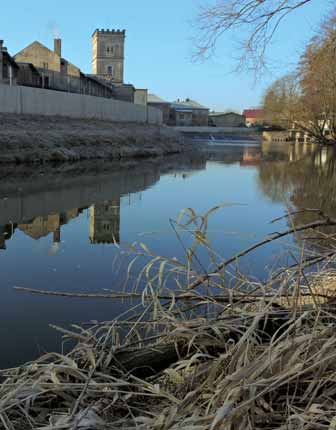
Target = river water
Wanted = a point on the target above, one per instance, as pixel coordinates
(61, 227)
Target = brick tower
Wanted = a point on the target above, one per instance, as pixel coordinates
(108, 54)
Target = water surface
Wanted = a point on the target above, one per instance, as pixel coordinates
(61, 226)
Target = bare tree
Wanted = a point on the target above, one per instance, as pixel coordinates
(282, 101)
(307, 98)
(318, 78)
(256, 20)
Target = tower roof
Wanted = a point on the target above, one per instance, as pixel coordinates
(110, 32)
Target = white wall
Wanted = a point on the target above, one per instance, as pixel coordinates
(36, 101)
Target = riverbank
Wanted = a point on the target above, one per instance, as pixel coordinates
(35, 139)
(256, 365)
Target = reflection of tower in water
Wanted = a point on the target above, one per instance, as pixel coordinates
(105, 222)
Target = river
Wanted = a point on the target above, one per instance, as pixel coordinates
(62, 226)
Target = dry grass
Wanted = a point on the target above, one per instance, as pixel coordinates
(252, 356)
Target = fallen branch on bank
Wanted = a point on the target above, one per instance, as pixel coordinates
(327, 222)
(226, 297)
(186, 378)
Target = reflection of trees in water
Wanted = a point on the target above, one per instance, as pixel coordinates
(274, 180)
(307, 182)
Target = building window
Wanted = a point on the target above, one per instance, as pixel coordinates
(181, 116)
(45, 66)
(110, 70)
(108, 49)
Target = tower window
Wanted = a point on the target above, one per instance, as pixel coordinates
(108, 49)
(110, 70)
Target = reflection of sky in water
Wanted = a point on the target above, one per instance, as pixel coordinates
(74, 257)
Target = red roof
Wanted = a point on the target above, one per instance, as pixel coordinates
(253, 113)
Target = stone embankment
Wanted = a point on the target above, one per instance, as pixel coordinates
(32, 139)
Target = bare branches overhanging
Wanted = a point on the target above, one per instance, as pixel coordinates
(256, 20)
(307, 98)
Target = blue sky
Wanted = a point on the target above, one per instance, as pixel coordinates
(159, 44)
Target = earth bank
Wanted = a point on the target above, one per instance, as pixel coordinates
(30, 139)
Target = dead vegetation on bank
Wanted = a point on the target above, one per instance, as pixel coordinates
(196, 351)
(35, 139)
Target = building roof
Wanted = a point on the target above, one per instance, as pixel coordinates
(153, 98)
(50, 51)
(179, 107)
(224, 113)
(99, 80)
(183, 110)
(189, 103)
(29, 65)
(35, 43)
(253, 113)
(10, 59)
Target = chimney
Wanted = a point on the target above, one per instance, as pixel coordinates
(58, 47)
(57, 235)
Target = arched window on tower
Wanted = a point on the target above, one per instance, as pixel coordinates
(110, 71)
(108, 49)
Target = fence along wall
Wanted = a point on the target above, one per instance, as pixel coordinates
(36, 101)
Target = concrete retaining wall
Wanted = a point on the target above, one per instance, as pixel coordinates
(36, 101)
